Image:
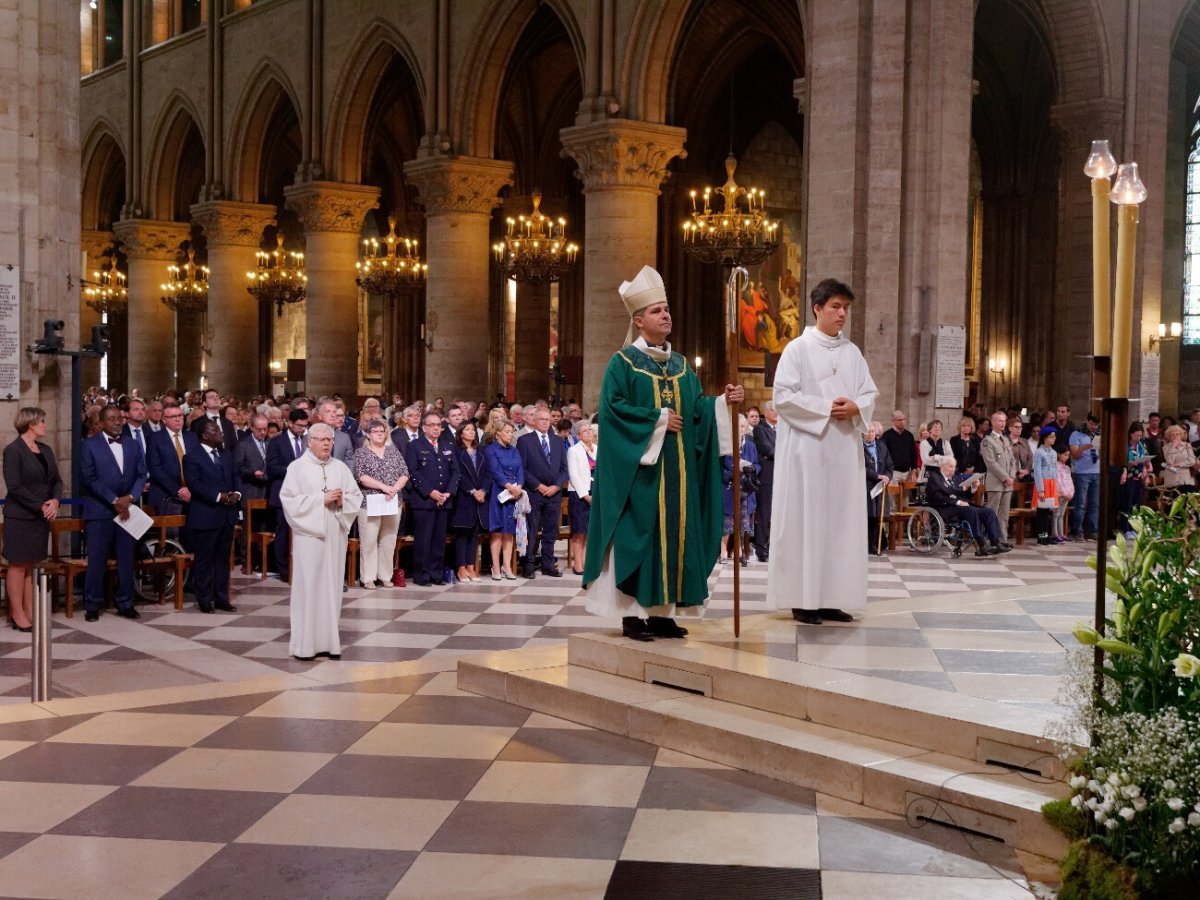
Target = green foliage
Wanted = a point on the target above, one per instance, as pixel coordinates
(1066, 818)
(1089, 874)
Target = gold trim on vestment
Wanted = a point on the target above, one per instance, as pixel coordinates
(682, 514)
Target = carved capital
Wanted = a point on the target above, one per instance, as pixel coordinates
(1084, 121)
(459, 184)
(151, 238)
(331, 206)
(623, 153)
(229, 224)
(94, 243)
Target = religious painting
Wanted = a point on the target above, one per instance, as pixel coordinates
(771, 308)
(370, 325)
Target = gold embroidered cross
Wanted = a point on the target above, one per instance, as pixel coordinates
(668, 396)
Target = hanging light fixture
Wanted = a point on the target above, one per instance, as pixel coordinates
(279, 277)
(535, 248)
(390, 267)
(107, 293)
(737, 234)
(186, 288)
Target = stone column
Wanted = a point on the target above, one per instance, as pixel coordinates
(621, 163)
(234, 232)
(150, 246)
(332, 214)
(459, 194)
(93, 244)
(532, 338)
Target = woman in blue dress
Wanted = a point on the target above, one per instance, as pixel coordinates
(507, 477)
(749, 502)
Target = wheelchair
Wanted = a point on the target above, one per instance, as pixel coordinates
(146, 581)
(927, 531)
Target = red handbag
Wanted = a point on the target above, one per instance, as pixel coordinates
(398, 577)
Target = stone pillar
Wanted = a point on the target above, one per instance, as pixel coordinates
(234, 232)
(621, 163)
(459, 194)
(332, 215)
(192, 340)
(93, 244)
(532, 339)
(150, 246)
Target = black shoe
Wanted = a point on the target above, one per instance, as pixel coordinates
(205, 608)
(1005, 546)
(92, 615)
(24, 629)
(661, 626)
(335, 655)
(1043, 540)
(379, 583)
(982, 551)
(834, 615)
(228, 607)
(528, 573)
(421, 582)
(129, 613)
(745, 561)
(438, 582)
(553, 573)
(807, 616)
(1001, 548)
(303, 658)
(636, 629)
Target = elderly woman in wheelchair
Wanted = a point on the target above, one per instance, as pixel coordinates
(954, 506)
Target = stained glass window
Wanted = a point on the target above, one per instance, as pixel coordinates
(1191, 238)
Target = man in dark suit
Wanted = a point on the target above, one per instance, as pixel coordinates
(544, 457)
(879, 469)
(764, 443)
(434, 475)
(250, 460)
(212, 410)
(114, 475)
(213, 511)
(410, 430)
(165, 452)
(135, 425)
(282, 450)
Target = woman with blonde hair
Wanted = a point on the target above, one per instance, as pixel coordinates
(1179, 460)
(34, 491)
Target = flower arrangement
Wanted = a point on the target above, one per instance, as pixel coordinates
(1135, 803)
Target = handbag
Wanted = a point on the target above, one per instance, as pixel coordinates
(750, 481)
(398, 577)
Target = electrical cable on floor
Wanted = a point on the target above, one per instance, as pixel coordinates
(918, 821)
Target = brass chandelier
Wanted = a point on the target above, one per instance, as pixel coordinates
(279, 277)
(535, 248)
(107, 294)
(388, 269)
(186, 288)
(738, 234)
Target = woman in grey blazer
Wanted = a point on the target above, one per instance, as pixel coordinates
(34, 490)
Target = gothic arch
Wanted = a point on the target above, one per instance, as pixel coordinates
(656, 34)
(265, 90)
(477, 96)
(357, 85)
(103, 175)
(1079, 47)
(176, 125)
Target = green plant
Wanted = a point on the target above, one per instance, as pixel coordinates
(1091, 875)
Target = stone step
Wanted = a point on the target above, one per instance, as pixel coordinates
(892, 776)
(941, 721)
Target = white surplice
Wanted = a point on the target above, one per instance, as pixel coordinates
(318, 549)
(819, 512)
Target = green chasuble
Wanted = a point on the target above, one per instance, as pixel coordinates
(663, 521)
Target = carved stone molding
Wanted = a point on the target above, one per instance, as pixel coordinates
(330, 205)
(623, 153)
(151, 238)
(94, 243)
(459, 184)
(1084, 121)
(229, 224)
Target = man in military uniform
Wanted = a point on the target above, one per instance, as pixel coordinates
(656, 515)
(434, 482)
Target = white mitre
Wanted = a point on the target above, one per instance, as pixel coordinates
(646, 288)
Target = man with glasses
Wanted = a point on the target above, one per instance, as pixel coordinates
(434, 482)
(165, 450)
(283, 450)
(1085, 472)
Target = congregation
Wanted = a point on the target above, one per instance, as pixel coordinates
(458, 475)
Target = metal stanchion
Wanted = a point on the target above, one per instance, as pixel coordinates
(40, 684)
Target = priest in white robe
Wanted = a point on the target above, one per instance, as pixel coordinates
(825, 398)
(321, 500)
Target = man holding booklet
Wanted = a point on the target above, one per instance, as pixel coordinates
(954, 504)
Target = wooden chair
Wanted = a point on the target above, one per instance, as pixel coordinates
(1020, 512)
(899, 512)
(249, 508)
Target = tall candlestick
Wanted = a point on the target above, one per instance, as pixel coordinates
(1127, 216)
(1101, 242)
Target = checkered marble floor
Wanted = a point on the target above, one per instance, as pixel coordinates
(928, 620)
(385, 781)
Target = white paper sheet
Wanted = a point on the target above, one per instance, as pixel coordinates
(378, 505)
(137, 524)
(877, 490)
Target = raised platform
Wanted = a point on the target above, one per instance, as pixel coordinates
(945, 756)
